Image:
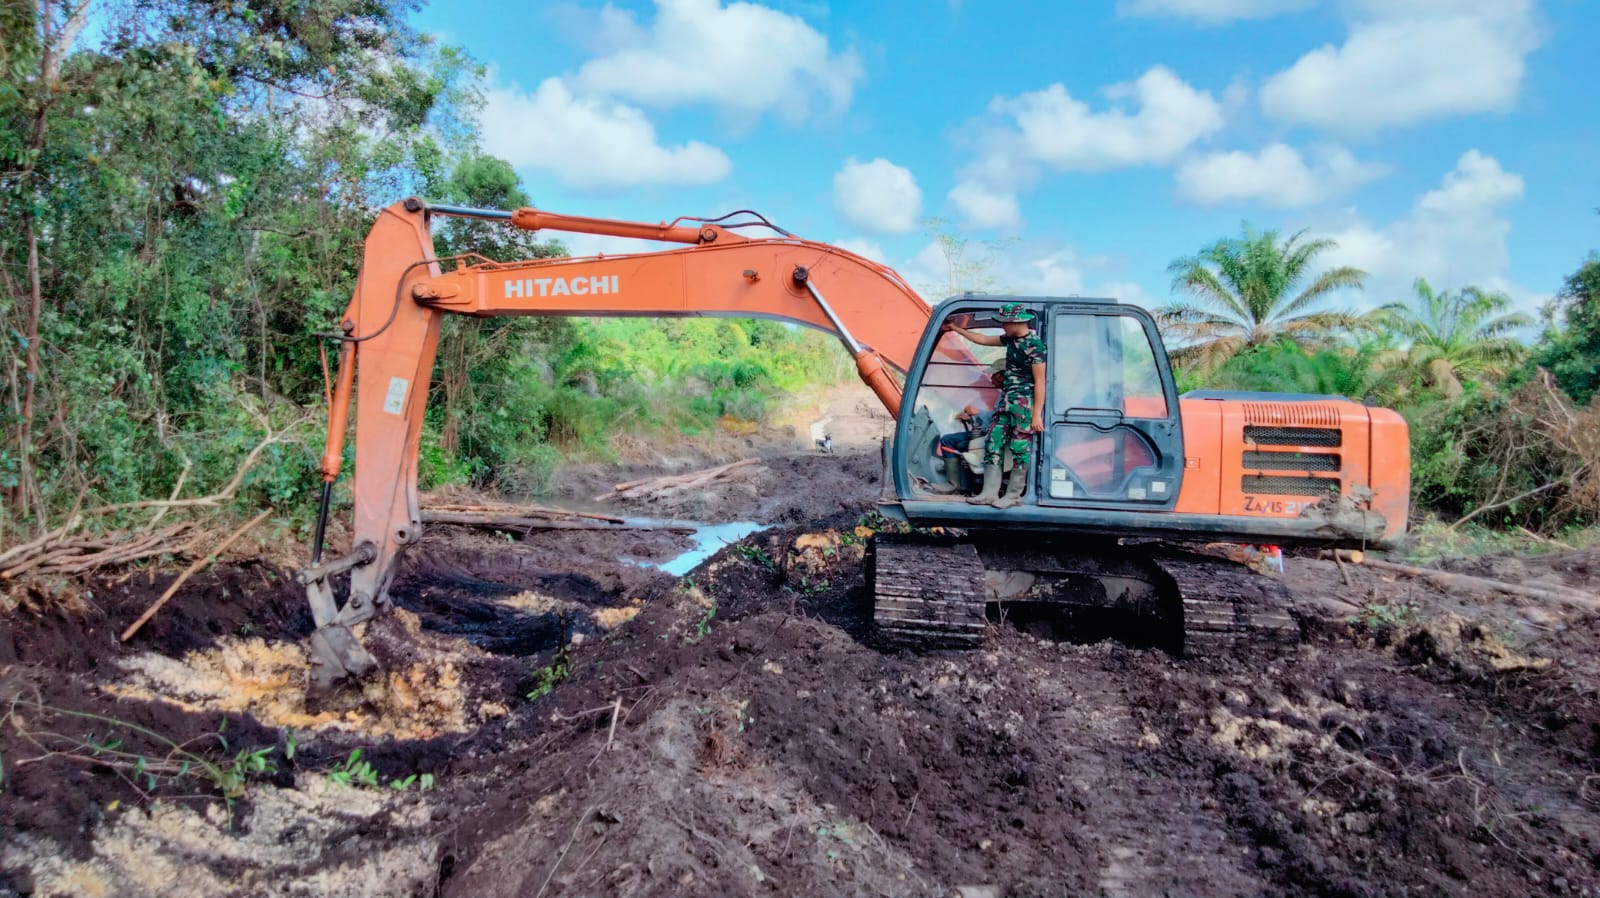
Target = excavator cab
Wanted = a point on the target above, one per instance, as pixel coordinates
(1113, 437)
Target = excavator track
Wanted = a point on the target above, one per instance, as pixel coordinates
(1227, 607)
(927, 594)
(932, 593)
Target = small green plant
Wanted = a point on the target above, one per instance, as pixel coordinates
(1384, 616)
(353, 771)
(756, 554)
(812, 587)
(171, 762)
(547, 678)
(835, 833)
(702, 627)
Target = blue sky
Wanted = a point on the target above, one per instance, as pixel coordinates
(1451, 139)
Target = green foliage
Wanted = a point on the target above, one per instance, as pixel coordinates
(702, 627)
(1383, 617)
(1250, 290)
(199, 179)
(353, 771)
(1570, 347)
(1521, 457)
(547, 678)
(144, 758)
(756, 554)
(1454, 337)
(1355, 369)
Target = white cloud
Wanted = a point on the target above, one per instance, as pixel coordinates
(1212, 12)
(865, 248)
(1032, 268)
(744, 58)
(1454, 235)
(1150, 121)
(1278, 176)
(1409, 61)
(1053, 128)
(878, 196)
(984, 207)
(589, 142)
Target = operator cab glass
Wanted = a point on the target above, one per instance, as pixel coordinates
(956, 384)
(1113, 433)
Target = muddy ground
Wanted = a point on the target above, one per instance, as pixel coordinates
(737, 731)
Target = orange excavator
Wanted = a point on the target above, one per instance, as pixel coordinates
(1124, 469)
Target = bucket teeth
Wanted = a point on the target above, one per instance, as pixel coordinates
(336, 654)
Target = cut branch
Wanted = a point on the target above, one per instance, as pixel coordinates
(494, 521)
(661, 486)
(189, 572)
(1467, 582)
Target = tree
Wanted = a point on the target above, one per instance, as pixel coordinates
(967, 268)
(475, 353)
(1455, 336)
(1572, 352)
(1245, 289)
(1354, 368)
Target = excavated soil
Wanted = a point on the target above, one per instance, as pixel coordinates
(737, 731)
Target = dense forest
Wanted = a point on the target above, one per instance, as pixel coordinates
(184, 187)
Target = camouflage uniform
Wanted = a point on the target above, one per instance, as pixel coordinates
(1013, 416)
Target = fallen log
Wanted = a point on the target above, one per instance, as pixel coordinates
(523, 511)
(635, 489)
(1469, 582)
(523, 523)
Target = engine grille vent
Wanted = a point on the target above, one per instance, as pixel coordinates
(1288, 414)
(1293, 436)
(1291, 461)
(1279, 485)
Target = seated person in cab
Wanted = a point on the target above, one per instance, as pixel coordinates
(975, 423)
(1017, 418)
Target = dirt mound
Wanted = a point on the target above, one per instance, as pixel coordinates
(737, 730)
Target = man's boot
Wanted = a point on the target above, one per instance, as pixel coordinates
(952, 473)
(991, 486)
(1015, 487)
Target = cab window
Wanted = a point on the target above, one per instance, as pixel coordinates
(1105, 363)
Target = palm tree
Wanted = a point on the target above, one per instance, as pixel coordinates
(1355, 367)
(1245, 291)
(1455, 336)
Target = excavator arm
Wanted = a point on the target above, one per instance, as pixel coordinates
(390, 333)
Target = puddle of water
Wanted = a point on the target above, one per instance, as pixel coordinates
(708, 538)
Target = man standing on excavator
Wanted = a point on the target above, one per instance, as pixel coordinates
(1017, 418)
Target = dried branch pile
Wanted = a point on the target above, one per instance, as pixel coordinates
(87, 543)
(66, 551)
(1533, 460)
(655, 487)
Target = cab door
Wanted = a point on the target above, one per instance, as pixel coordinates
(1113, 437)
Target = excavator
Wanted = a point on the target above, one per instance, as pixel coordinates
(1124, 474)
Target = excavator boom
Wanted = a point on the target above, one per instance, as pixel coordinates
(390, 334)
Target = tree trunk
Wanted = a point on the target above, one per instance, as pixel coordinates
(54, 45)
(453, 377)
(30, 369)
